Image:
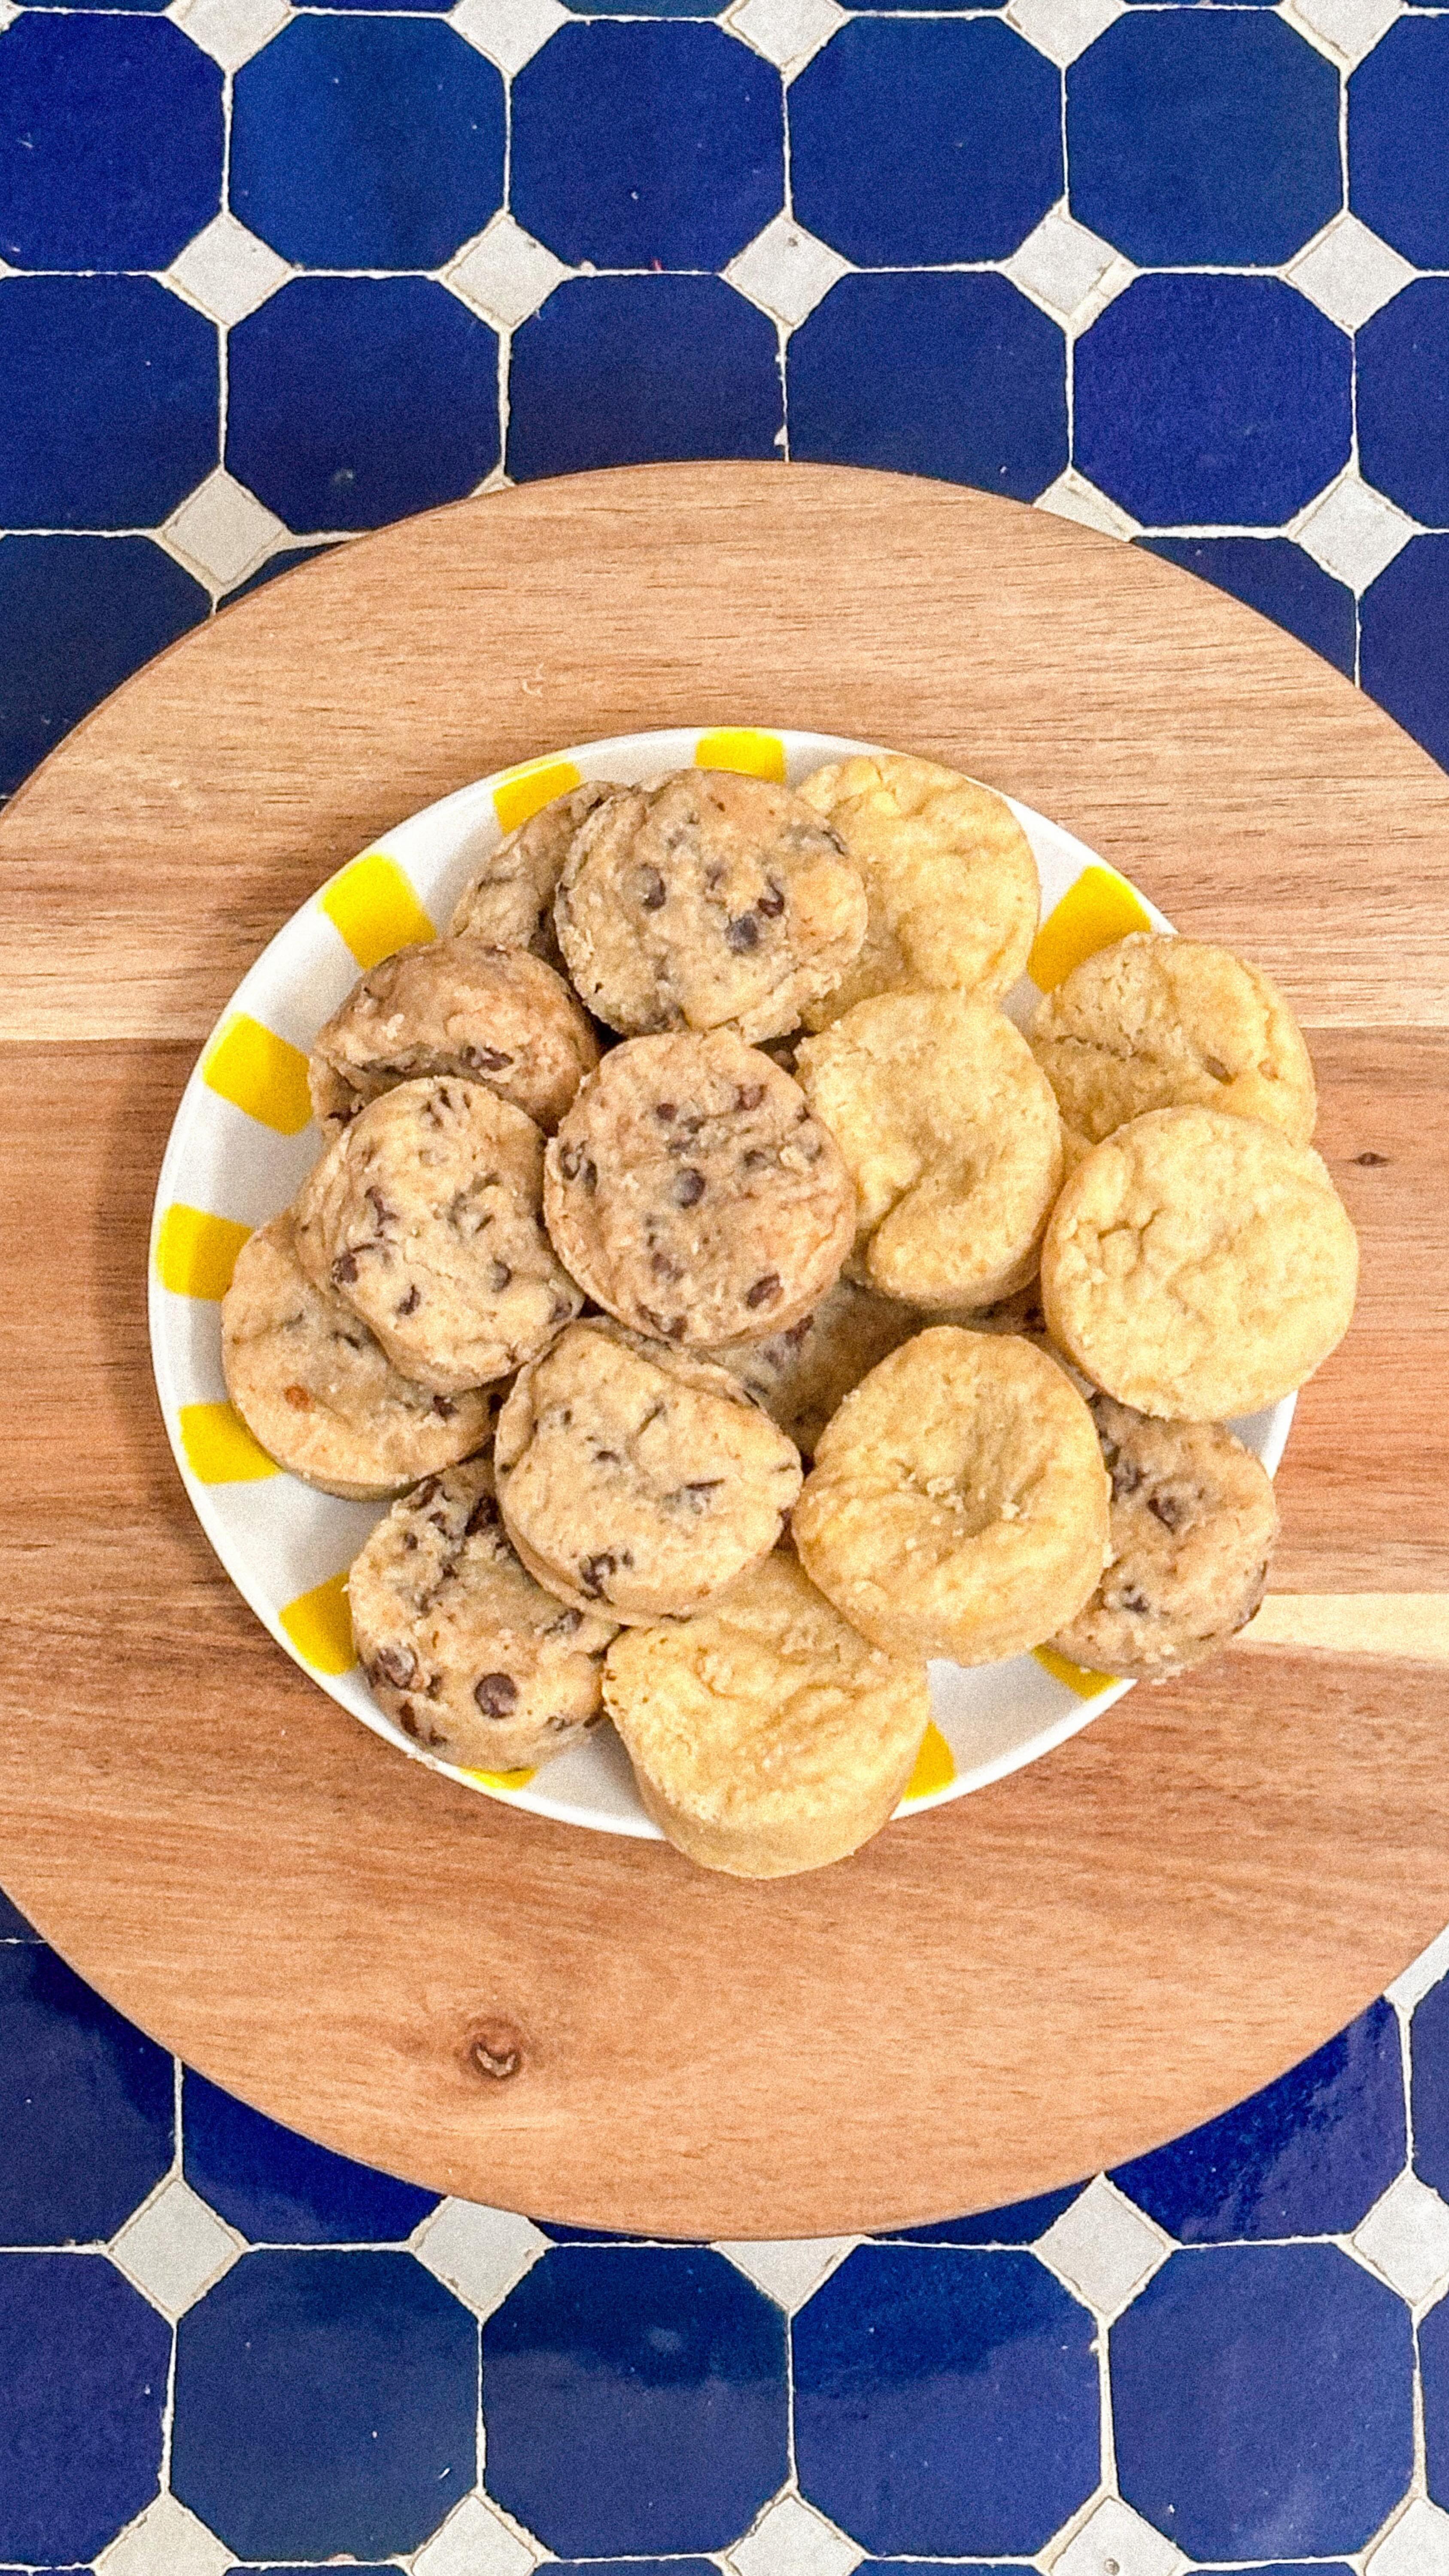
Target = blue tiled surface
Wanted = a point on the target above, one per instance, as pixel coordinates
(1095, 258)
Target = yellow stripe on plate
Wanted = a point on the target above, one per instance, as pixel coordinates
(319, 1624)
(1076, 1676)
(219, 1448)
(259, 1072)
(934, 1769)
(1098, 909)
(754, 755)
(501, 1779)
(196, 1251)
(525, 792)
(374, 905)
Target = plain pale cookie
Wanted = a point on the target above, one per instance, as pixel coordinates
(638, 1478)
(454, 1007)
(314, 1387)
(471, 1657)
(949, 875)
(800, 1375)
(958, 1503)
(766, 1737)
(693, 1195)
(508, 900)
(707, 901)
(1193, 1527)
(1199, 1265)
(424, 1212)
(951, 1135)
(1161, 1023)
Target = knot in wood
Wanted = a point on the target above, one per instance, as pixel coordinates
(495, 2049)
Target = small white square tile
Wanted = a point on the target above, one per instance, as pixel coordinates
(1422, 1975)
(1073, 497)
(1346, 29)
(226, 271)
(231, 31)
(789, 2269)
(222, 530)
(1352, 531)
(786, 32)
(509, 32)
(1348, 272)
(790, 2540)
(1103, 2247)
(1115, 2541)
(1062, 29)
(165, 2540)
(1060, 263)
(1406, 2237)
(785, 270)
(476, 2541)
(505, 274)
(174, 2248)
(1418, 2544)
(480, 2253)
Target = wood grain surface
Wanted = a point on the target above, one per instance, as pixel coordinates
(997, 1996)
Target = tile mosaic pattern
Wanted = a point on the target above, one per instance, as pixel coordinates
(270, 276)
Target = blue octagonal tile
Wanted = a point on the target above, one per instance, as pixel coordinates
(13, 1925)
(109, 394)
(1212, 400)
(279, 2189)
(1431, 2020)
(325, 2403)
(366, 142)
(1403, 400)
(1398, 140)
(1020, 2224)
(1434, 2367)
(1203, 138)
(1263, 2401)
(1308, 2156)
(77, 616)
(1275, 576)
(918, 139)
(391, 400)
(1404, 653)
(647, 146)
(946, 2403)
(83, 2365)
(634, 370)
(110, 142)
(85, 2100)
(634, 2400)
(633, 2566)
(957, 376)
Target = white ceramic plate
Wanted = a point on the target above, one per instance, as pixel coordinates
(242, 1141)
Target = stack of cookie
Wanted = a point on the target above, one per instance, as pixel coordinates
(703, 1145)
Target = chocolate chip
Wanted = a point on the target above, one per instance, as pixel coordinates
(665, 1110)
(1166, 1509)
(498, 1277)
(485, 1059)
(795, 1333)
(298, 1398)
(482, 1516)
(748, 1095)
(590, 1176)
(379, 1206)
(606, 1457)
(407, 1718)
(697, 1495)
(1214, 1065)
(670, 1328)
(755, 1160)
(496, 1693)
(410, 1303)
(570, 1162)
(765, 1291)
(344, 1269)
(1136, 1602)
(444, 1407)
(688, 1187)
(567, 1624)
(663, 1268)
(772, 902)
(395, 1665)
(1371, 1162)
(422, 1494)
(594, 1572)
(1125, 1478)
(354, 1341)
(651, 889)
(743, 933)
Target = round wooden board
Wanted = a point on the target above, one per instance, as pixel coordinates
(1000, 1995)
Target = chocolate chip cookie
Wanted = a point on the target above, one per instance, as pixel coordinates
(767, 1737)
(1155, 1022)
(460, 1007)
(958, 1501)
(707, 901)
(315, 1388)
(1193, 1527)
(424, 1214)
(636, 1479)
(801, 1375)
(508, 900)
(951, 1135)
(693, 1195)
(1198, 1265)
(471, 1657)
